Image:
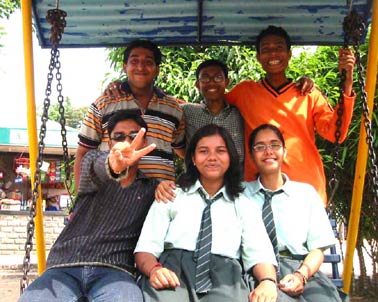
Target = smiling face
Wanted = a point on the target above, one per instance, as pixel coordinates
(212, 159)
(141, 68)
(273, 54)
(212, 83)
(268, 161)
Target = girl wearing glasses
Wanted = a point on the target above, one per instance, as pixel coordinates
(301, 223)
(182, 256)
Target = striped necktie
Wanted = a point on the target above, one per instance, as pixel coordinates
(203, 249)
(268, 219)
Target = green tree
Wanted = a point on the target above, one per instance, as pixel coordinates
(73, 116)
(7, 7)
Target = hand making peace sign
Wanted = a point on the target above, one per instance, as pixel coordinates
(124, 154)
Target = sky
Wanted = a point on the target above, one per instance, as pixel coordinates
(83, 71)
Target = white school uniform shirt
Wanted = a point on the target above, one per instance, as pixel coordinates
(237, 227)
(300, 218)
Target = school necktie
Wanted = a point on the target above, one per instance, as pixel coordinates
(203, 249)
(268, 219)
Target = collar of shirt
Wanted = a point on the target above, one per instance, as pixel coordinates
(226, 108)
(280, 89)
(193, 190)
(256, 186)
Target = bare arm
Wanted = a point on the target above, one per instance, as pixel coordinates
(346, 62)
(305, 85)
(160, 277)
(265, 274)
(294, 283)
(165, 191)
(80, 152)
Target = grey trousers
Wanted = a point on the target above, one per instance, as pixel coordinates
(319, 287)
(226, 276)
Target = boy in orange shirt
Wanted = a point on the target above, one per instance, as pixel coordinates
(275, 100)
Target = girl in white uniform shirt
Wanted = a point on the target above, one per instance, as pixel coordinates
(166, 250)
(301, 222)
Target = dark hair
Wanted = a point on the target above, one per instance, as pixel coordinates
(143, 44)
(126, 114)
(252, 137)
(212, 62)
(272, 31)
(232, 177)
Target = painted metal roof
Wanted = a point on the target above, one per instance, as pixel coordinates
(94, 23)
(16, 134)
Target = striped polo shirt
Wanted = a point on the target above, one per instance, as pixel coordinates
(166, 128)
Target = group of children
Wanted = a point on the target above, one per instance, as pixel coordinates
(271, 227)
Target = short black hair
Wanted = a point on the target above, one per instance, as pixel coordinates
(232, 177)
(272, 30)
(126, 114)
(143, 44)
(212, 62)
(252, 137)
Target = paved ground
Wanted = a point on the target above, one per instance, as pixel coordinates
(9, 289)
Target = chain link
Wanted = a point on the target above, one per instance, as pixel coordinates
(63, 131)
(334, 181)
(368, 129)
(56, 16)
(354, 27)
(358, 28)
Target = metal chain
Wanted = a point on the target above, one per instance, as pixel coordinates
(334, 181)
(368, 128)
(354, 26)
(63, 131)
(52, 16)
(359, 27)
(56, 18)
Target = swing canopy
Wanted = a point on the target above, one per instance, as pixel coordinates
(113, 23)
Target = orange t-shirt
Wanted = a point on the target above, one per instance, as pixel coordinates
(298, 117)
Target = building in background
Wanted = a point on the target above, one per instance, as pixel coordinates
(15, 182)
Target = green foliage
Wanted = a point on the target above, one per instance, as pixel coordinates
(73, 116)
(7, 7)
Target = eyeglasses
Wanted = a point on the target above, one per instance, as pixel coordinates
(121, 137)
(263, 147)
(217, 79)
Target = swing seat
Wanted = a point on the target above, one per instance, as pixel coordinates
(334, 259)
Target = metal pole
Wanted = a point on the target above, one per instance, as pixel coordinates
(32, 126)
(362, 156)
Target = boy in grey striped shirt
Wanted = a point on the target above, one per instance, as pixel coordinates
(93, 256)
